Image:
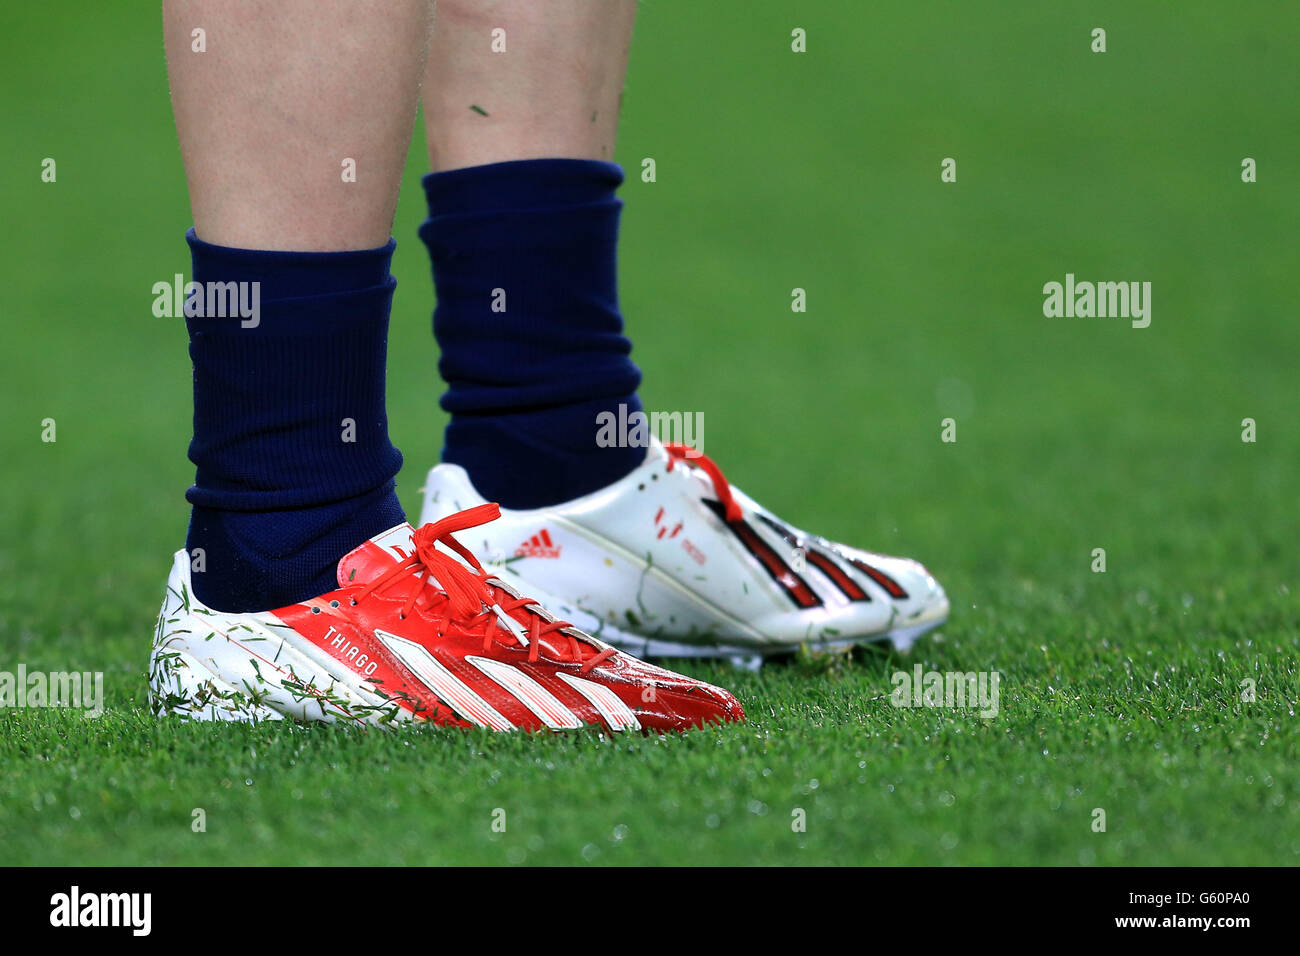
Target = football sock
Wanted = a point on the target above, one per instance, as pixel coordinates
(527, 320)
(293, 463)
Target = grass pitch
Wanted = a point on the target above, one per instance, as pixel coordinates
(1120, 691)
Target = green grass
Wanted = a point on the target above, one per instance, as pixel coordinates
(1120, 691)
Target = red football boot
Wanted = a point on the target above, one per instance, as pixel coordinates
(414, 631)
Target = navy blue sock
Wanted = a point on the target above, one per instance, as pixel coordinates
(281, 493)
(526, 380)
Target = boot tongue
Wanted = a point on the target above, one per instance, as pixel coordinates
(375, 557)
(372, 558)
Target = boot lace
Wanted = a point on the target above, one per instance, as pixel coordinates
(473, 599)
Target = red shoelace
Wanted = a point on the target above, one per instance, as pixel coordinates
(721, 487)
(471, 598)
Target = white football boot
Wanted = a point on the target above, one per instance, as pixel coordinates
(673, 561)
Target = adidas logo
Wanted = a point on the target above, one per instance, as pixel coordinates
(539, 545)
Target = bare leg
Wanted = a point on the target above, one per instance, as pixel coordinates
(294, 467)
(286, 91)
(522, 230)
(553, 93)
